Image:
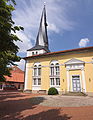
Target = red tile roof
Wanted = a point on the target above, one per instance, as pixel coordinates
(17, 75)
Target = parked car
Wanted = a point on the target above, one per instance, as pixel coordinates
(9, 87)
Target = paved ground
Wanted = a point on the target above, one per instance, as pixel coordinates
(20, 106)
(65, 101)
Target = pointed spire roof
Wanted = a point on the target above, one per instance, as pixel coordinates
(42, 38)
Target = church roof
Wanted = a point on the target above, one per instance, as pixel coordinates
(39, 47)
(42, 38)
(76, 51)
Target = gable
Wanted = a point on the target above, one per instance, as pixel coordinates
(74, 61)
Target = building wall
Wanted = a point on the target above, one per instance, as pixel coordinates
(18, 85)
(89, 77)
(45, 70)
(34, 52)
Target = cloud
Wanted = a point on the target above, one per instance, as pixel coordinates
(28, 13)
(83, 42)
(53, 27)
(25, 44)
(21, 64)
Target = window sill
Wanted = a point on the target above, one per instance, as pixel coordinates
(36, 76)
(51, 76)
(56, 86)
(36, 85)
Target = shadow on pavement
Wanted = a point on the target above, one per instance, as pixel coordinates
(13, 105)
(52, 114)
(7, 95)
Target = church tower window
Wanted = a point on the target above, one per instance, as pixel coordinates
(32, 53)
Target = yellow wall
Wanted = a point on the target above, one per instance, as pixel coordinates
(89, 77)
(45, 82)
(29, 75)
(63, 82)
(45, 76)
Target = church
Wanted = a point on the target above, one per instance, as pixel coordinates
(67, 71)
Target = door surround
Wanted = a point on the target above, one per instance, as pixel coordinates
(75, 64)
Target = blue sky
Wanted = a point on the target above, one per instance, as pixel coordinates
(70, 23)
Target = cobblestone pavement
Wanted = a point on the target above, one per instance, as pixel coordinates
(22, 106)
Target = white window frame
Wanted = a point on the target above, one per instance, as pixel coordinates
(38, 83)
(53, 70)
(53, 81)
(54, 74)
(37, 74)
(34, 81)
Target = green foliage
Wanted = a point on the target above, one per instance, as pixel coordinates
(8, 49)
(52, 91)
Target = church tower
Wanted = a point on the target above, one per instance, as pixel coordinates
(41, 45)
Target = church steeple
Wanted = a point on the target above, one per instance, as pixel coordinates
(42, 38)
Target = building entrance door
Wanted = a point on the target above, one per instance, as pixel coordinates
(76, 83)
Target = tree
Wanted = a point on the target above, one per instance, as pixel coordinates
(8, 49)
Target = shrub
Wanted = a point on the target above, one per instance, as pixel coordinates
(52, 91)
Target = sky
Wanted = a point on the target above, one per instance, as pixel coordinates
(70, 24)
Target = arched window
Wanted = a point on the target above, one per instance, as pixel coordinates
(39, 70)
(37, 74)
(54, 73)
(57, 68)
(52, 69)
(35, 70)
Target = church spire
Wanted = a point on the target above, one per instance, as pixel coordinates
(42, 38)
